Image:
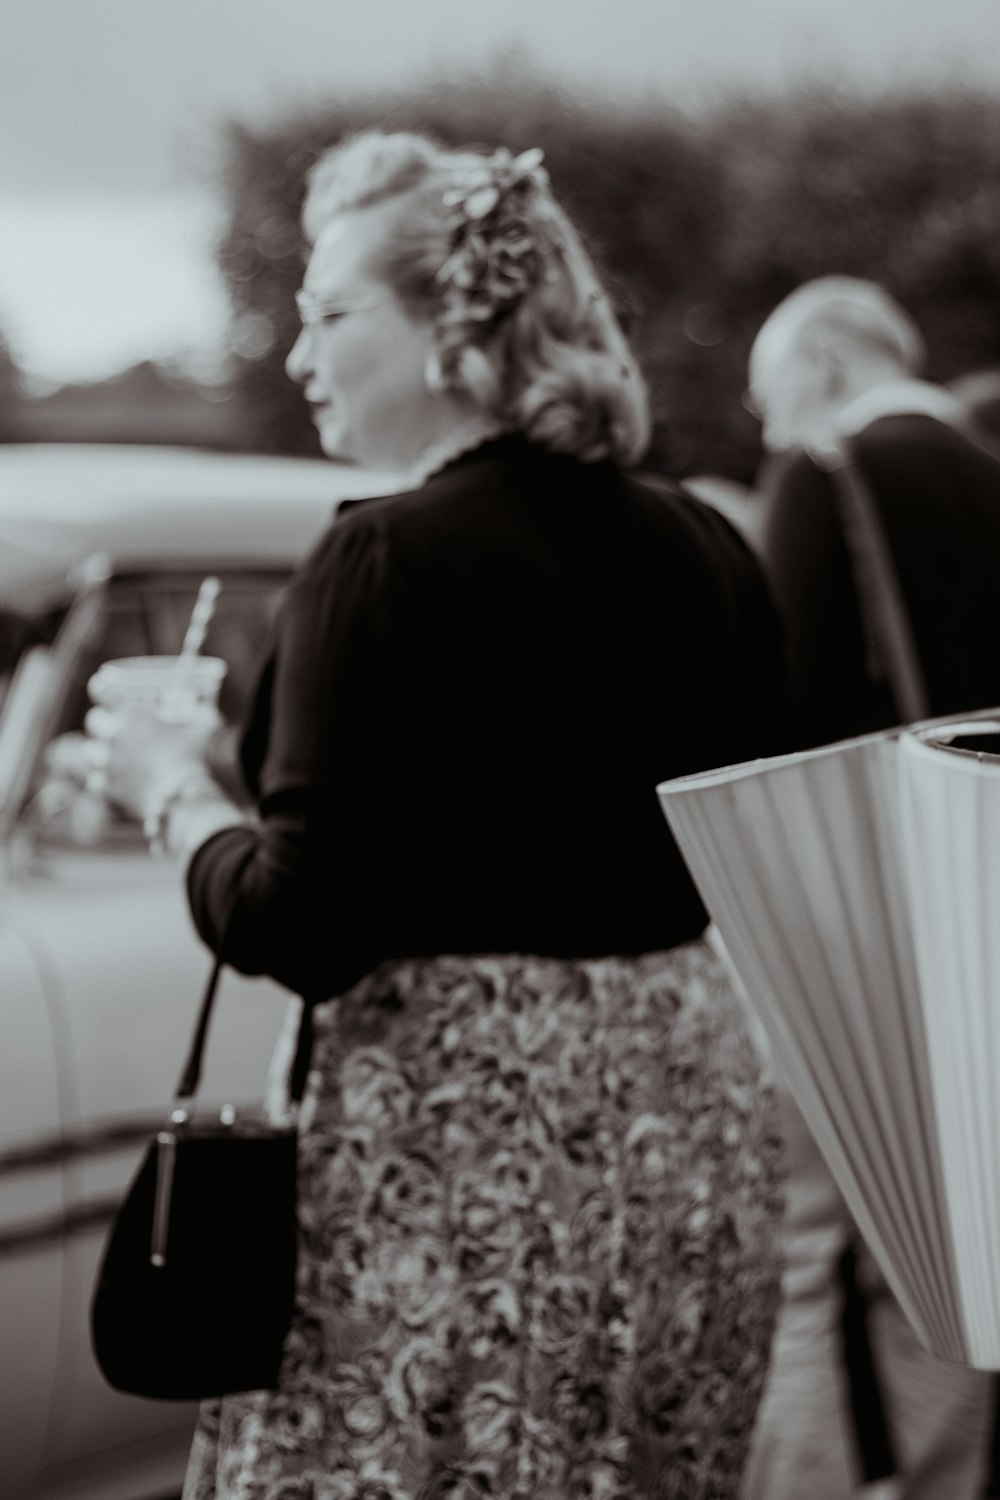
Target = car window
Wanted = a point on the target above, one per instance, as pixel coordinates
(147, 615)
(18, 633)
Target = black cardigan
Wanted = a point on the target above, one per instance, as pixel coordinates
(473, 691)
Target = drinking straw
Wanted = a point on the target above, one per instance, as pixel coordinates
(201, 615)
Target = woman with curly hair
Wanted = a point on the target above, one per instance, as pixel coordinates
(537, 1165)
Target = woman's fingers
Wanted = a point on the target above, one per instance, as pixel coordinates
(102, 724)
(74, 754)
(96, 781)
(145, 753)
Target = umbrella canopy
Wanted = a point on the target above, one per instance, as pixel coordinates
(855, 889)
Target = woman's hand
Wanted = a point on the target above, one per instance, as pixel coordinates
(146, 758)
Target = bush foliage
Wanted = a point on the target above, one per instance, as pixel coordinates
(701, 224)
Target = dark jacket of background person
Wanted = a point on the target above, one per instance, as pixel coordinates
(474, 691)
(939, 500)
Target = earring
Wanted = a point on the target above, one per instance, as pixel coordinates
(434, 374)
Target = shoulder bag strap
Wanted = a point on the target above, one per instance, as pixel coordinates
(884, 615)
(191, 1072)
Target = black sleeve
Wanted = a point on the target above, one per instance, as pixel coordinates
(276, 888)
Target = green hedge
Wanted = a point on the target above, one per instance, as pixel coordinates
(701, 223)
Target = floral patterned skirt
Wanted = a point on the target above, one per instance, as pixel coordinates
(538, 1209)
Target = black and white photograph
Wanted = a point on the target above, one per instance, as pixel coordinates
(499, 750)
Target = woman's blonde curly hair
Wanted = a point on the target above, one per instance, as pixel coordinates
(480, 247)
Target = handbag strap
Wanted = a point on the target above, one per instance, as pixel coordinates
(191, 1072)
(884, 615)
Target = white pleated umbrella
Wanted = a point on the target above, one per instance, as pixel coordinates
(855, 888)
(950, 806)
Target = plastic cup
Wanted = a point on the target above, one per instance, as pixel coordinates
(178, 689)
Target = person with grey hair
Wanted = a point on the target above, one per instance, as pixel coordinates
(837, 365)
(538, 1164)
(834, 374)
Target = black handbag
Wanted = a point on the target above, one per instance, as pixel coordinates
(196, 1289)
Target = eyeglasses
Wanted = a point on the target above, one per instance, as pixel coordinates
(314, 310)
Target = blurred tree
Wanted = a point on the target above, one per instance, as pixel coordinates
(700, 224)
(11, 395)
(902, 190)
(147, 403)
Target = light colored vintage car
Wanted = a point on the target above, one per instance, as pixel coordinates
(102, 551)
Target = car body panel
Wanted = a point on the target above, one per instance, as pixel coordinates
(101, 970)
(119, 1045)
(32, 1206)
(61, 502)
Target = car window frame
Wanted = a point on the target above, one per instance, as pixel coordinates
(54, 670)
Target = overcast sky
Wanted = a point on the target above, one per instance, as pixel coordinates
(110, 111)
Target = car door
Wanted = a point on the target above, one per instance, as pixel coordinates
(106, 928)
(32, 1212)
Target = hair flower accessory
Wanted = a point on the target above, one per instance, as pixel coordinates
(494, 257)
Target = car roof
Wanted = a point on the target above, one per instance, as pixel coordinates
(153, 506)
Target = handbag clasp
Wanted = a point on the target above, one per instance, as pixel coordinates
(166, 1156)
(166, 1152)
